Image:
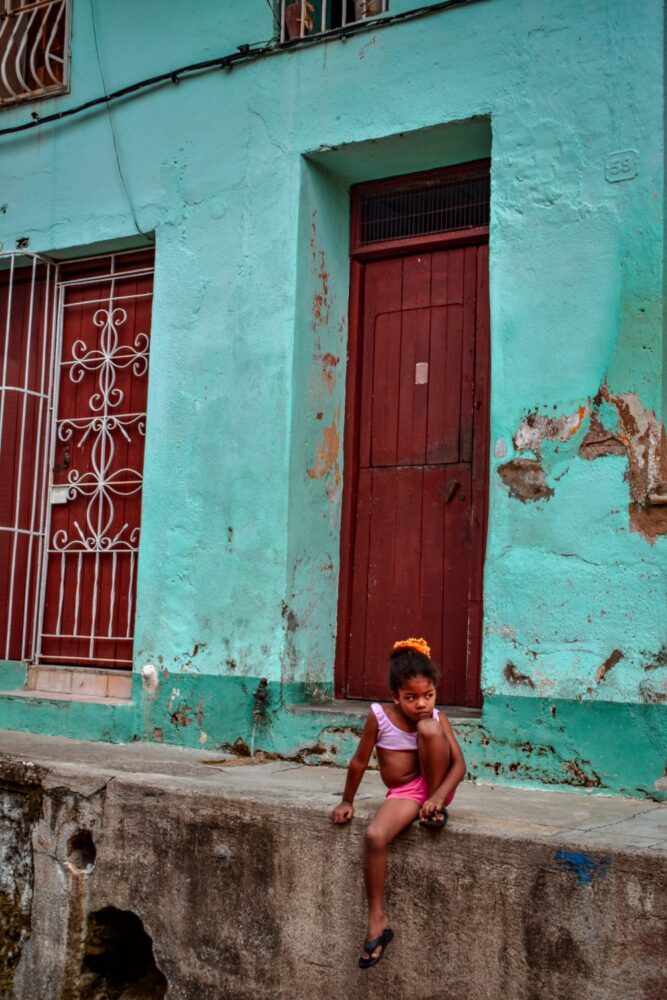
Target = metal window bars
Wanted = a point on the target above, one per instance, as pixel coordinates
(299, 18)
(396, 212)
(27, 303)
(34, 49)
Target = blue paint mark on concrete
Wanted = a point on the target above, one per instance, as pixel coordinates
(585, 866)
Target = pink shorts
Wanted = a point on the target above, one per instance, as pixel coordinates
(416, 789)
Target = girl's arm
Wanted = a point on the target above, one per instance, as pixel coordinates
(456, 773)
(344, 812)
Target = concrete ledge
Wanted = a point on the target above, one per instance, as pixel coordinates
(247, 891)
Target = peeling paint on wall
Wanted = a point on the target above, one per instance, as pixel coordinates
(537, 428)
(321, 300)
(640, 437)
(608, 665)
(328, 450)
(525, 479)
(514, 677)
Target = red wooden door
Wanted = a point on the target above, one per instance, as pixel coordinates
(417, 537)
(91, 566)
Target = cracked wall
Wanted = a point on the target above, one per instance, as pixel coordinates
(236, 876)
(19, 808)
(244, 177)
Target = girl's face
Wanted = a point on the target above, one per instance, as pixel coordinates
(416, 698)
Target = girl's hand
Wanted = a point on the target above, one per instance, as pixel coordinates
(342, 813)
(430, 806)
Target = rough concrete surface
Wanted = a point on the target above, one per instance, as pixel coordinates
(153, 869)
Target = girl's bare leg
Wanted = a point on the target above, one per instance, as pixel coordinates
(391, 818)
(434, 753)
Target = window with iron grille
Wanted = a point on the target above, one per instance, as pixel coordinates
(34, 49)
(299, 18)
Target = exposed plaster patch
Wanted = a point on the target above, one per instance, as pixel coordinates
(182, 717)
(658, 660)
(537, 427)
(649, 522)
(650, 695)
(608, 665)
(513, 676)
(525, 479)
(579, 776)
(329, 363)
(321, 307)
(599, 441)
(645, 442)
(326, 457)
(640, 437)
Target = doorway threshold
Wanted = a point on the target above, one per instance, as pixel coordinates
(360, 709)
(67, 683)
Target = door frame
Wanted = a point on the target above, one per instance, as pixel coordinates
(79, 272)
(359, 256)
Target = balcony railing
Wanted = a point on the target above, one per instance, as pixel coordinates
(34, 49)
(299, 18)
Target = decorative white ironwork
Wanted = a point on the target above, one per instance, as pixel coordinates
(34, 57)
(94, 537)
(26, 327)
(299, 18)
(100, 484)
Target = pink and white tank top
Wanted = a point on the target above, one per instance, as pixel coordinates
(390, 737)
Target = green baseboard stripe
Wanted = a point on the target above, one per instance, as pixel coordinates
(604, 747)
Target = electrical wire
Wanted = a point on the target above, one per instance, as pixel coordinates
(273, 7)
(243, 54)
(114, 137)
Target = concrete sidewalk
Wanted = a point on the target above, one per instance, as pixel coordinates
(248, 891)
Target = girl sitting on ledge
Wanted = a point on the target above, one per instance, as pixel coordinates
(420, 763)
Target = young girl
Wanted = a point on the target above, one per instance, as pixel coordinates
(420, 763)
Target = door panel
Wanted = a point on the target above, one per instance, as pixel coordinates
(411, 571)
(419, 512)
(93, 547)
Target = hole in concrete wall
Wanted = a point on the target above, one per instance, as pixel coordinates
(81, 852)
(118, 961)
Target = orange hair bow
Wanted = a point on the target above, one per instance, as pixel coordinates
(419, 645)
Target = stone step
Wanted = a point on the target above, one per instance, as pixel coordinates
(78, 683)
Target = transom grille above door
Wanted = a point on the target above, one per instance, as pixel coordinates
(452, 200)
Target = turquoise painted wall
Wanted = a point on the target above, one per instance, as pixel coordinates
(243, 179)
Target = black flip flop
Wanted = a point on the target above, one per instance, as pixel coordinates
(435, 821)
(370, 946)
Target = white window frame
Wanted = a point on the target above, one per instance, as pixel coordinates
(301, 23)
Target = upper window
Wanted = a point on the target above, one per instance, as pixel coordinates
(34, 49)
(299, 18)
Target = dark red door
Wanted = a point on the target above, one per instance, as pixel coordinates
(26, 324)
(418, 513)
(100, 426)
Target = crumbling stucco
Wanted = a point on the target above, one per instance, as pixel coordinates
(608, 665)
(525, 479)
(639, 436)
(199, 877)
(19, 807)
